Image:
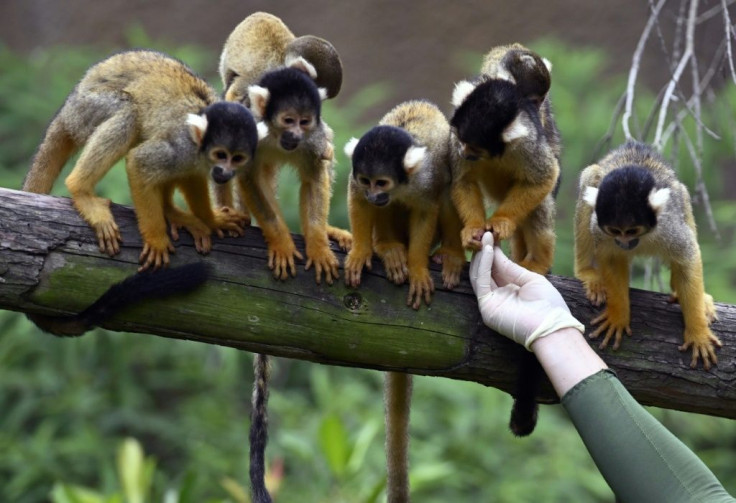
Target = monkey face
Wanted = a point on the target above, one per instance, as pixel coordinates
(294, 125)
(626, 238)
(376, 190)
(225, 164)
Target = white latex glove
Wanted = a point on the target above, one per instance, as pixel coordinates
(515, 302)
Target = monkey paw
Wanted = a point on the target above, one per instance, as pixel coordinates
(155, 254)
(231, 221)
(344, 238)
(501, 227)
(594, 289)
(452, 266)
(108, 237)
(199, 231)
(393, 255)
(421, 287)
(354, 265)
(612, 326)
(710, 308)
(703, 343)
(471, 237)
(324, 261)
(281, 258)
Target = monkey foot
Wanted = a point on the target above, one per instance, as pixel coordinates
(452, 266)
(393, 255)
(612, 328)
(344, 238)
(421, 287)
(108, 237)
(155, 254)
(324, 261)
(354, 266)
(703, 343)
(199, 231)
(281, 258)
(231, 221)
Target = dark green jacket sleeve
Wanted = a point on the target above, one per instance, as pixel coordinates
(639, 458)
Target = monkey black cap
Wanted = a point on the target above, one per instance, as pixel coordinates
(623, 198)
(232, 125)
(291, 87)
(380, 148)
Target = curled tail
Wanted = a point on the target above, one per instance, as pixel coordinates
(525, 408)
(259, 430)
(397, 394)
(55, 149)
(141, 286)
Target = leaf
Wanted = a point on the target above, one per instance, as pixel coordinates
(334, 442)
(131, 470)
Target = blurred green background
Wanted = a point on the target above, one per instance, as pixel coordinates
(68, 406)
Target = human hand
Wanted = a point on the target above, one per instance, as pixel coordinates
(515, 302)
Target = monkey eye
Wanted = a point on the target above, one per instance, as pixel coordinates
(381, 183)
(614, 231)
(289, 121)
(238, 158)
(633, 231)
(305, 122)
(219, 155)
(364, 180)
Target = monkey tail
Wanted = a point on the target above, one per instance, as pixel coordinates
(141, 286)
(397, 393)
(259, 430)
(55, 149)
(525, 408)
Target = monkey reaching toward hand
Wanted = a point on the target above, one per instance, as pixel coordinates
(631, 204)
(166, 122)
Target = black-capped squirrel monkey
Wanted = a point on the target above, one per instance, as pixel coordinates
(400, 207)
(631, 204)
(506, 149)
(168, 124)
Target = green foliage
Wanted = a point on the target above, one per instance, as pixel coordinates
(67, 405)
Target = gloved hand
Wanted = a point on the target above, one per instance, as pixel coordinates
(515, 302)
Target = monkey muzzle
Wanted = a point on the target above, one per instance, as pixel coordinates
(289, 141)
(221, 175)
(381, 199)
(627, 245)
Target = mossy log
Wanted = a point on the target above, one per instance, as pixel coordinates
(50, 264)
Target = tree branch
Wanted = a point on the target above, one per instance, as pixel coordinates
(49, 263)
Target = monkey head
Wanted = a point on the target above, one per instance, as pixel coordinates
(627, 204)
(489, 116)
(529, 72)
(289, 102)
(324, 58)
(226, 135)
(384, 160)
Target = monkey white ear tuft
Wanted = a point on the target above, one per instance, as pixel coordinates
(259, 97)
(350, 147)
(197, 127)
(301, 64)
(517, 129)
(413, 159)
(262, 129)
(590, 195)
(502, 74)
(658, 198)
(322, 93)
(461, 92)
(548, 64)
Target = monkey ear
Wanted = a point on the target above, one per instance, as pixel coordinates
(262, 130)
(301, 64)
(658, 198)
(413, 159)
(258, 97)
(322, 93)
(350, 147)
(461, 92)
(197, 127)
(548, 64)
(517, 129)
(590, 196)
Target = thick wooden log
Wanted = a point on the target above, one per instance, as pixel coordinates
(50, 264)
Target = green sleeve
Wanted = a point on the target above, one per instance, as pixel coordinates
(639, 458)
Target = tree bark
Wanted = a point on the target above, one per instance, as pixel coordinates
(50, 264)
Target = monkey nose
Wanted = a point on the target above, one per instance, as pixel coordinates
(221, 175)
(290, 143)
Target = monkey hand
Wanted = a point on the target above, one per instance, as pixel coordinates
(501, 227)
(324, 261)
(230, 220)
(354, 263)
(393, 255)
(710, 308)
(703, 343)
(595, 291)
(108, 237)
(281, 254)
(614, 324)
(421, 287)
(452, 266)
(199, 231)
(515, 302)
(155, 253)
(344, 238)
(471, 236)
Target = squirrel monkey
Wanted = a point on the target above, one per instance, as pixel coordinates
(167, 123)
(507, 148)
(400, 206)
(132, 290)
(631, 204)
